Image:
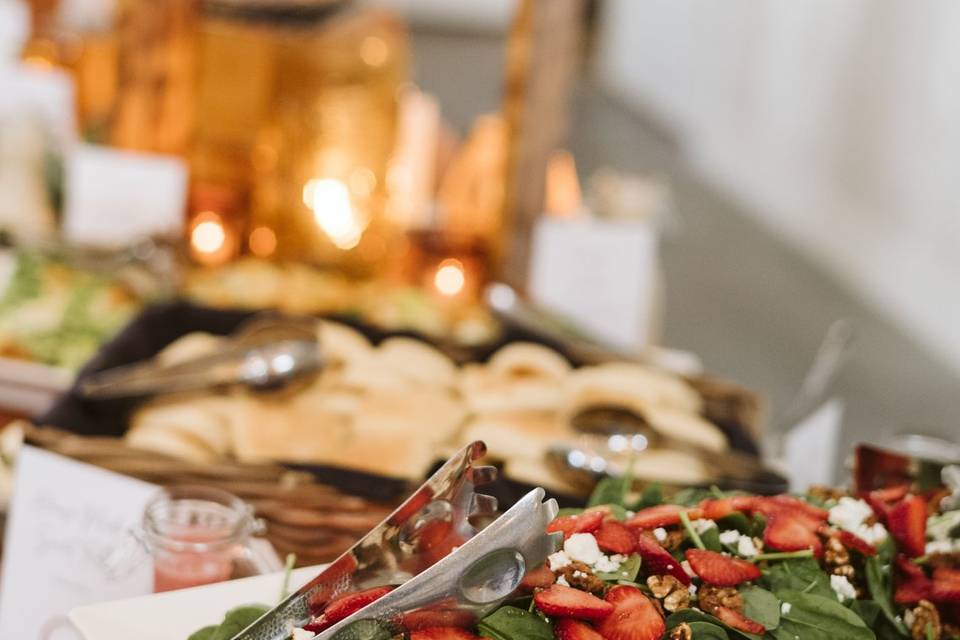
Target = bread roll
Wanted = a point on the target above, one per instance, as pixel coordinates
(526, 359)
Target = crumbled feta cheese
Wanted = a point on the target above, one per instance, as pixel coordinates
(686, 567)
(730, 537)
(579, 574)
(703, 525)
(908, 618)
(746, 547)
(660, 534)
(582, 547)
(302, 634)
(851, 514)
(942, 546)
(558, 560)
(692, 589)
(785, 608)
(842, 587)
(630, 514)
(563, 581)
(608, 565)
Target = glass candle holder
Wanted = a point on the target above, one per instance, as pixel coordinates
(195, 535)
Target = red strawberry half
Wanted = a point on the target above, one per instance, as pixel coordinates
(946, 586)
(849, 540)
(907, 522)
(663, 515)
(791, 531)
(427, 618)
(615, 537)
(539, 578)
(344, 606)
(793, 503)
(718, 569)
(586, 522)
(738, 621)
(634, 617)
(567, 602)
(570, 629)
(657, 561)
(442, 633)
(913, 585)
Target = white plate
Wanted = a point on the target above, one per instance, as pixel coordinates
(30, 388)
(174, 615)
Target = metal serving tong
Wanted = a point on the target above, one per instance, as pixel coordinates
(429, 549)
(265, 353)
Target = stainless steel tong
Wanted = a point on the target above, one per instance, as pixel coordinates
(266, 353)
(431, 551)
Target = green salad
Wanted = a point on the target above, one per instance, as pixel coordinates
(710, 565)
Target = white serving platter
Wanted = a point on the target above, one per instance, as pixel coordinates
(174, 615)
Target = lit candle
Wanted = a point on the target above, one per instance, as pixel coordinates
(211, 242)
(450, 277)
(329, 199)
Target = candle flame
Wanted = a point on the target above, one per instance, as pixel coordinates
(450, 277)
(329, 199)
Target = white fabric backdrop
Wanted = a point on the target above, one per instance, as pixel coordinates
(836, 121)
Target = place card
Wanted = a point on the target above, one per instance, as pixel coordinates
(44, 95)
(66, 523)
(810, 447)
(599, 274)
(114, 197)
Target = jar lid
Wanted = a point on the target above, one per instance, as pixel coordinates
(286, 10)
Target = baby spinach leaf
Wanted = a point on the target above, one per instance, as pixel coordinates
(627, 572)
(708, 631)
(237, 620)
(510, 623)
(762, 606)
(711, 539)
(880, 588)
(868, 610)
(815, 617)
(738, 521)
(569, 511)
(203, 634)
(803, 574)
(610, 490)
(691, 497)
(651, 496)
(692, 616)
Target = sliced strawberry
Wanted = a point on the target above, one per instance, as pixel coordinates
(663, 515)
(426, 618)
(907, 522)
(850, 541)
(539, 578)
(586, 522)
(718, 569)
(896, 493)
(946, 585)
(344, 606)
(657, 561)
(634, 617)
(739, 621)
(442, 633)
(791, 531)
(913, 585)
(567, 602)
(615, 537)
(796, 504)
(570, 629)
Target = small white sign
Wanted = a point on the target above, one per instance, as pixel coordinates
(117, 197)
(599, 274)
(810, 447)
(67, 520)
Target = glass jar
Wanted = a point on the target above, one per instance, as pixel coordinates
(196, 535)
(296, 111)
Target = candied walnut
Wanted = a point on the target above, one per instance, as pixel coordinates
(824, 492)
(581, 576)
(924, 621)
(835, 554)
(711, 597)
(670, 591)
(673, 541)
(681, 632)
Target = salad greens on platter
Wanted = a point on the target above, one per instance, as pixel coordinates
(710, 565)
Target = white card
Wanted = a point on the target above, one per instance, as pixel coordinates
(599, 274)
(810, 448)
(44, 94)
(65, 520)
(117, 197)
